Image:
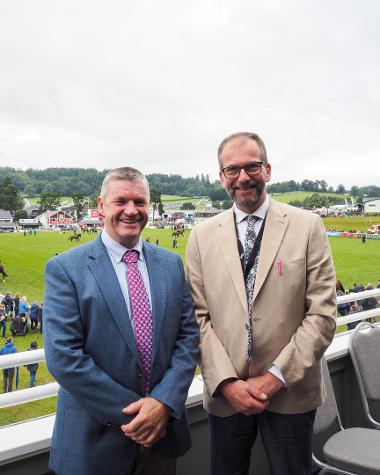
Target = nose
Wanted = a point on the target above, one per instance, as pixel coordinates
(130, 209)
(243, 175)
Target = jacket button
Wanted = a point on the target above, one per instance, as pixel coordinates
(139, 373)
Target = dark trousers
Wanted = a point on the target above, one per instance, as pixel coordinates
(149, 462)
(287, 439)
(3, 327)
(8, 375)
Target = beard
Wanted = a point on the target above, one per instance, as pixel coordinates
(256, 189)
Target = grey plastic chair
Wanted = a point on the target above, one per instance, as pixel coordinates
(364, 349)
(353, 451)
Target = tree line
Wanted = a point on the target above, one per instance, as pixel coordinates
(51, 184)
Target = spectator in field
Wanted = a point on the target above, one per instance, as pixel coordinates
(3, 324)
(2, 271)
(40, 315)
(8, 303)
(343, 307)
(8, 373)
(33, 367)
(369, 303)
(16, 303)
(354, 307)
(23, 308)
(33, 315)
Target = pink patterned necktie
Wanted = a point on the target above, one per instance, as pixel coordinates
(141, 313)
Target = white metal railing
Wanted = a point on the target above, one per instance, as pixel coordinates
(51, 389)
(362, 315)
(31, 394)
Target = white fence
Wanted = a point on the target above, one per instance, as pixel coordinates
(51, 389)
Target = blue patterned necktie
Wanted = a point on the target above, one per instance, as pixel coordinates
(141, 313)
(250, 238)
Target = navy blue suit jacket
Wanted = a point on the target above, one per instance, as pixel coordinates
(91, 351)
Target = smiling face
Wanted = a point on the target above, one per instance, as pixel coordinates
(248, 192)
(125, 210)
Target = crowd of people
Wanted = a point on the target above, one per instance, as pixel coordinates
(349, 308)
(9, 373)
(16, 311)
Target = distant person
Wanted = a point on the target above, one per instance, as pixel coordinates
(8, 373)
(157, 243)
(23, 308)
(2, 271)
(378, 284)
(342, 307)
(354, 307)
(364, 237)
(370, 303)
(8, 303)
(3, 318)
(33, 315)
(16, 303)
(40, 315)
(33, 367)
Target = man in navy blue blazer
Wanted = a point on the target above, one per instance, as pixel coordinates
(115, 416)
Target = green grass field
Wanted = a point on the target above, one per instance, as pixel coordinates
(297, 195)
(24, 259)
(357, 223)
(67, 200)
(173, 198)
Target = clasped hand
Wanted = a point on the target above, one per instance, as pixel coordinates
(150, 422)
(252, 396)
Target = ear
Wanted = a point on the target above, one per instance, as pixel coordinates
(268, 171)
(222, 178)
(100, 206)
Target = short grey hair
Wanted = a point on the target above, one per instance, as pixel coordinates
(247, 135)
(123, 173)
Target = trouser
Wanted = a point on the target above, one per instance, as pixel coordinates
(32, 380)
(149, 462)
(287, 440)
(8, 375)
(33, 324)
(3, 326)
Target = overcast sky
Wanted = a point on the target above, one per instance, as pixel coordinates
(158, 84)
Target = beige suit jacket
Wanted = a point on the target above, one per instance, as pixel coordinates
(294, 309)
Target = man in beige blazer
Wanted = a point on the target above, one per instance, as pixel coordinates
(261, 342)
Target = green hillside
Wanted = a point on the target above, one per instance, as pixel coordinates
(301, 195)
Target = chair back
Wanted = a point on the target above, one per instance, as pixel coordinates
(328, 412)
(364, 349)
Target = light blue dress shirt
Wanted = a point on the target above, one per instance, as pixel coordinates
(116, 251)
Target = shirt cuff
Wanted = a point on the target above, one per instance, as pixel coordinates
(276, 372)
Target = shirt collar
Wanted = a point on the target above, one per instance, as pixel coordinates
(261, 212)
(116, 249)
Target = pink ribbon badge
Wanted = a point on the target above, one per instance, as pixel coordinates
(279, 267)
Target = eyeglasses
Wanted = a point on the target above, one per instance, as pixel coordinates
(251, 169)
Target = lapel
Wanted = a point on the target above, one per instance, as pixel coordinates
(227, 239)
(104, 274)
(158, 291)
(275, 227)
